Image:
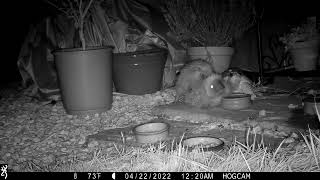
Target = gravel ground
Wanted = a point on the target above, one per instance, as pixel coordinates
(39, 136)
(35, 135)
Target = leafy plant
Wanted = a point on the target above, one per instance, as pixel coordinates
(208, 23)
(305, 32)
(89, 19)
(78, 10)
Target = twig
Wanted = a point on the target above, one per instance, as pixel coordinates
(101, 16)
(245, 159)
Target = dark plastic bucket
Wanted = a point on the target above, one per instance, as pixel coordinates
(85, 79)
(140, 72)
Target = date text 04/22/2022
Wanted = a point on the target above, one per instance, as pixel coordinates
(185, 175)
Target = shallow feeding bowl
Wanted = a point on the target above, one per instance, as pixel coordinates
(208, 143)
(151, 132)
(236, 101)
(309, 106)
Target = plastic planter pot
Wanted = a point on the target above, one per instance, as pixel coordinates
(85, 79)
(139, 72)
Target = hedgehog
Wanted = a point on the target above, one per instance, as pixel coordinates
(210, 93)
(239, 83)
(191, 77)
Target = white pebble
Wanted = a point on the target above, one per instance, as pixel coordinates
(294, 135)
(48, 159)
(262, 113)
(36, 139)
(64, 150)
(257, 130)
(82, 141)
(282, 134)
(289, 140)
(63, 132)
(292, 106)
(93, 144)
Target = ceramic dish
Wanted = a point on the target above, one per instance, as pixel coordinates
(236, 101)
(151, 132)
(208, 143)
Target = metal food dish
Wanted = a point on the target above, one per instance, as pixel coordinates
(208, 143)
(236, 101)
(151, 132)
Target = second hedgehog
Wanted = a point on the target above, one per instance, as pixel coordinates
(191, 77)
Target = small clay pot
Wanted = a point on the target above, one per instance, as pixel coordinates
(151, 132)
(309, 105)
(236, 101)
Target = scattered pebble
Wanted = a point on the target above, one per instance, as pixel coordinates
(262, 113)
(293, 106)
(294, 135)
(257, 130)
(36, 139)
(48, 159)
(93, 144)
(289, 140)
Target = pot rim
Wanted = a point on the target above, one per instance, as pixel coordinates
(220, 145)
(218, 47)
(60, 50)
(311, 100)
(213, 50)
(165, 128)
(237, 96)
(141, 52)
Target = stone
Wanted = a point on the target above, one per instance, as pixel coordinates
(93, 144)
(36, 139)
(63, 132)
(257, 130)
(65, 150)
(289, 140)
(294, 135)
(82, 141)
(48, 159)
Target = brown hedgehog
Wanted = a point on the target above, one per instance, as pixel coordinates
(239, 83)
(191, 77)
(209, 93)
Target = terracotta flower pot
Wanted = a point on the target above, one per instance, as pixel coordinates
(310, 104)
(219, 57)
(305, 55)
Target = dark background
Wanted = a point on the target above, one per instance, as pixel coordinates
(18, 15)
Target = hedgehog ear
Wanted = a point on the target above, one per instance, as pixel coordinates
(202, 76)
